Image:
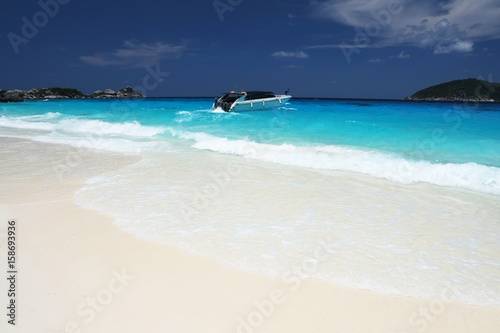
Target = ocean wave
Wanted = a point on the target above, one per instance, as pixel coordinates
(471, 176)
(21, 123)
(75, 126)
(131, 129)
(41, 117)
(90, 133)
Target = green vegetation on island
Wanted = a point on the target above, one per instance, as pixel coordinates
(460, 90)
(56, 91)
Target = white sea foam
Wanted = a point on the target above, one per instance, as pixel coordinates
(131, 129)
(134, 137)
(79, 125)
(218, 110)
(271, 219)
(104, 143)
(21, 123)
(40, 117)
(90, 133)
(470, 176)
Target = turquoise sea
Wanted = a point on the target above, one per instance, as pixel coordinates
(406, 142)
(391, 186)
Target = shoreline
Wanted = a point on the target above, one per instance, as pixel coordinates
(81, 272)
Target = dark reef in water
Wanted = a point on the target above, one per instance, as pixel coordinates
(64, 93)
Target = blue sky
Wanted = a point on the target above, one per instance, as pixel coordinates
(316, 48)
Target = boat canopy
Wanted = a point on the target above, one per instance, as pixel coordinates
(250, 95)
(259, 94)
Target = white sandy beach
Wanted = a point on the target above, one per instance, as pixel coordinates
(78, 272)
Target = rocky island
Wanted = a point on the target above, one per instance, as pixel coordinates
(64, 93)
(467, 90)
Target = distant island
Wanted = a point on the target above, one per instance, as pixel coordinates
(467, 90)
(64, 93)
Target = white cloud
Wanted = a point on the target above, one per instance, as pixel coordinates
(290, 54)
(135, 55)
(443, 26)
(403, 55)
(461, 46)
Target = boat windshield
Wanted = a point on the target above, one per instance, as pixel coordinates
(230, 97)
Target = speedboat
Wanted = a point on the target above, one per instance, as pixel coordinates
(250, 101)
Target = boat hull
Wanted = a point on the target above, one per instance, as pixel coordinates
(258, 104)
